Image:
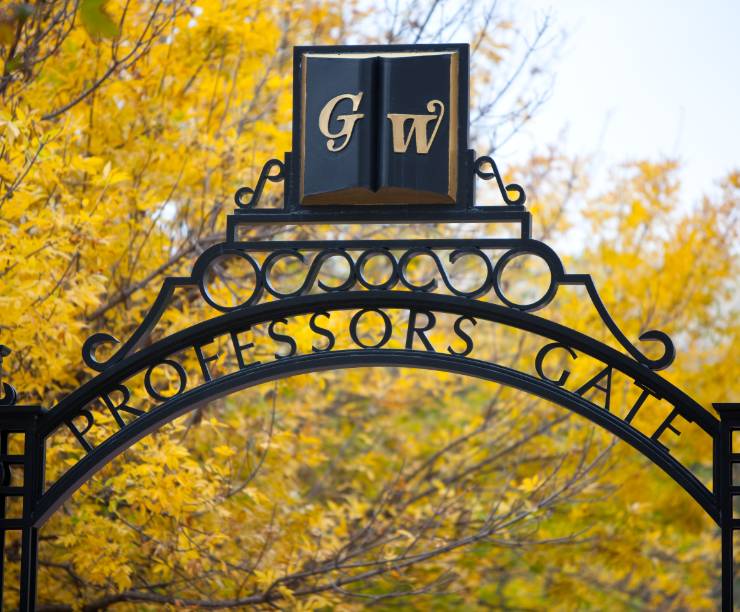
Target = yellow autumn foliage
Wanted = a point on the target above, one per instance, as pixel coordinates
(124, 131)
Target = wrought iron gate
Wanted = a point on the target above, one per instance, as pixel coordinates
(25, 431)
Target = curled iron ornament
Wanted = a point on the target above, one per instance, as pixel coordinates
(255, 194)
(365, 257)
(431, 285)
(90, 346)
(653, 335)
(356, 271)
(498, 273)
(9, 396)
(313, 272)
(258, 281)
(520, 198)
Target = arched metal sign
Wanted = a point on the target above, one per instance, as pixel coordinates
(361, 320)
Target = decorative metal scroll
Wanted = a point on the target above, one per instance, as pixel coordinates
(255, 194)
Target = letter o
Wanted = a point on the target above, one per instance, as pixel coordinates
(387, 325)
(182, 375)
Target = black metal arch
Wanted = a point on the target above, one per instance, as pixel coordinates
(266, 303)
(312, 362)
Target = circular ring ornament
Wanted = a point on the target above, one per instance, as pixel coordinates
(498, 272)
(362, 261)
(258, 281)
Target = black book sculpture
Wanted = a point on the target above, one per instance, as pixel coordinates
(380, 128)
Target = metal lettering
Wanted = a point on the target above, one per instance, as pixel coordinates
(322, 331)
(348, 121)
(666, 424)
(284, 339)
(420, 331)
(240, 348)
(115, 409)
(181, 375)
(203, 360)
(540, 358)
(640, 401)
(419, 128)
(387, 328)
(80, 435)
(593, 383)
(457, 326)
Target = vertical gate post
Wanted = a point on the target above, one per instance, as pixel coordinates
(21, 484)
(728, 491)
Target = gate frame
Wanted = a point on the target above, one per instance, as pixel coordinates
(36, 424)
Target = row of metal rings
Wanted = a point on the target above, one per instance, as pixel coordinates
(357, 274)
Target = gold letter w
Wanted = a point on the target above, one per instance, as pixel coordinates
(418, 128)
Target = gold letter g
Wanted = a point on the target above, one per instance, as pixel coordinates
(348, 121)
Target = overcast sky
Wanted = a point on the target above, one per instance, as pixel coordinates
(644, 79)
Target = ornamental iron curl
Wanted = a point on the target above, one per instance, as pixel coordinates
(256, 193)
(9, 396)
(520, 198)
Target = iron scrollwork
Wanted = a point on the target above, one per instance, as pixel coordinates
(399, 254)
(254, 195)
(520, 198)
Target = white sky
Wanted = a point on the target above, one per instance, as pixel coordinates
(643, 79)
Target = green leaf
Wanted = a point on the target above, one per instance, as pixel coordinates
(23, 11)
(13, 63)
(96, 20)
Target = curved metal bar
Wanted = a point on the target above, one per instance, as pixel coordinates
(669, 351)
(69, 407)
(485, 287)
(142, 331)
(261, 373)
(202, 279)
(271, 260)
(366, 256)
(539, 303)
(326, 255)
(10, 396)
(406, 259)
